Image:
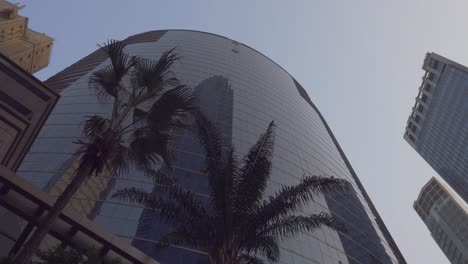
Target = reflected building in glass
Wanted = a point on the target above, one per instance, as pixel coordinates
(437, 127)
(242, 91)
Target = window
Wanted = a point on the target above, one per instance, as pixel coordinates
(433, 63)
(417, 119)
(427, 87)
(424, 98)
(421, 108)
(409, 125)
(431, 76)
(413, 128)
(411, 138)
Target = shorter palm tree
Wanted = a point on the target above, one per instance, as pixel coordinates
(236, 225)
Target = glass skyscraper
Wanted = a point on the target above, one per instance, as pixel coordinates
(438, 125)
(446, 216)
(242, 91)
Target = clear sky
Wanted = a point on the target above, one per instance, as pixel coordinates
(359, 60)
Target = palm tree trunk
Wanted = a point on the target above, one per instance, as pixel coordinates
(28, 250)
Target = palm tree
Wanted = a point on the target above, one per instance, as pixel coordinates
(146, 90)
(237, 224)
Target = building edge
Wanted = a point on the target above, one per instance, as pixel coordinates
(30, 79)
(378, 218)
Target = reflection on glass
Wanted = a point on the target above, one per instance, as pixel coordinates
(242, 91)
(216, 103)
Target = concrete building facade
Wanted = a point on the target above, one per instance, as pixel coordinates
(446, 217)
(242, 91)
(25, 103)
(437, 127)
(29, 49)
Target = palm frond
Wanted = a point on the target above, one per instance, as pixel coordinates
(159, 177)
(185, 199)
(95, 125)
(218, 169)
(292, 225)
(170, 110)
(103, 150)
(155, 129)
(175, 205)
(150, 78)
(249, 259)
(106, 81)
(120, 61)
(173, 238)
(119, 159)
(185, 237)
(150, 148)
(263, 245)
(138, 196)
(255, 171)
(290, 198)
(224, 190)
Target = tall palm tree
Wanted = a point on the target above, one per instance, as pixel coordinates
(237, 224)
(146, 90)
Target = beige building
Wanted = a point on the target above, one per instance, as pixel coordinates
(29, 49)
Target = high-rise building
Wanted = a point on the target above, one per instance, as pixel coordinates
(446, 216)
(242, 91)
(27, 48)
(437, 127)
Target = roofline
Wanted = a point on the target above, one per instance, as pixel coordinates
(447, 61)
(30, 75)
(216, 35)
(425, 187)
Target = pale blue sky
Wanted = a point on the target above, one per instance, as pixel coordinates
(359, 60)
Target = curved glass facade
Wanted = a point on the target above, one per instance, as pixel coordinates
(242, 90)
